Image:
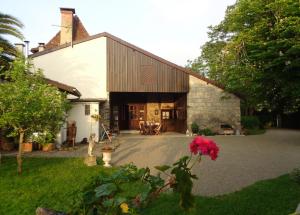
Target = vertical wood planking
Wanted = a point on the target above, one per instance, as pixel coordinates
(124, 71)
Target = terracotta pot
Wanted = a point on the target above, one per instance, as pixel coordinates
(27, 147)
(48, 147)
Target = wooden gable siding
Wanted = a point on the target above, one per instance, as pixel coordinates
(130, 70)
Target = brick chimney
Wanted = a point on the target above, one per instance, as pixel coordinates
(66, 29)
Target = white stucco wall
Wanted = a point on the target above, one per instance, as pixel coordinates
(85, 124)
(82, 66)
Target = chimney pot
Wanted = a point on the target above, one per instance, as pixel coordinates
(20, 47)
(41, 47)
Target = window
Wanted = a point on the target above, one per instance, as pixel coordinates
(168, 114)
(165, 115)
(87, 110)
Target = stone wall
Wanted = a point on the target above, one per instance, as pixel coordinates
(105, 113)
(151, 108)
(210, 106)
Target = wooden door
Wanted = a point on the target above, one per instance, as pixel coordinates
(137, 113)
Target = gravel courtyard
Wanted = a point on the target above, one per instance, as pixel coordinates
(242, 160)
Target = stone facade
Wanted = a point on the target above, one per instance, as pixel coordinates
(210, 106)
(105, 114)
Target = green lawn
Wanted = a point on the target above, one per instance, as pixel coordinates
(55, 182)
(46, 182)
(277, 196)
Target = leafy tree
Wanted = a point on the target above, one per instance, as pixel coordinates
(28, 104)
(9, 25)
(255, 51)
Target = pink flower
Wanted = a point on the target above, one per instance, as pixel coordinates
(204, 146)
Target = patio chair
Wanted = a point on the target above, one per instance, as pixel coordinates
(157, 130)
(142, 127)
(106, 132)
(71, 133)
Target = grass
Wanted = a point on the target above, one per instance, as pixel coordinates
(55, 183)
(269, 197)
(45, 182)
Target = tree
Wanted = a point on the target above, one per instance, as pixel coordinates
(255, 51)
(28, 104)
(9, 25)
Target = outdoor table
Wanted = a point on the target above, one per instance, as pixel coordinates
(150, 128)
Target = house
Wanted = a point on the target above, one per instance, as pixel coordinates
(126, 84)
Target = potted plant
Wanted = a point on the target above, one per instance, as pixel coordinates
(27, 144)
(46, 140)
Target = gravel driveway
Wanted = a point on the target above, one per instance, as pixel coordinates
(242, 161)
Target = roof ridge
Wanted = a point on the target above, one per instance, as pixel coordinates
(123, 42)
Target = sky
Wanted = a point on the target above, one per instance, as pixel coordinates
(172, 29)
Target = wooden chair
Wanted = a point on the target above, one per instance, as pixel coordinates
(141, 127)
(157, 130)
(71, 133)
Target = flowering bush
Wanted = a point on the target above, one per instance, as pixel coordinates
(204, 146)
(129, 189)
(180, 177)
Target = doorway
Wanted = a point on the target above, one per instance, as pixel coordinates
(136, 113)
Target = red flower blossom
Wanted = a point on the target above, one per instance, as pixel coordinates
(204, 147)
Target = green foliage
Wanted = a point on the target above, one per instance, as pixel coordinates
(127, 184)
(9, 25)
(195, 128)
(44, 138)
(269, 197)
(250, 122)
(46, 182)
(180, 181)
(162, 168)
(41, 185)
(206, 132)
(295, 175)
(184, 183)
(255, 51)
(28, 104)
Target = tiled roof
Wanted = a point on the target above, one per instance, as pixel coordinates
(80, 33)
(63, 87)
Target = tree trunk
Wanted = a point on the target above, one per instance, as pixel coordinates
(19, 156)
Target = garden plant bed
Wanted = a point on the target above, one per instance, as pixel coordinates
(56, 182)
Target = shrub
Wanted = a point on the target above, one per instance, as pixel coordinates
(195, 128)
(206, 132)
(126, 190)
(250, 122)
(129, 189)
(295, 175)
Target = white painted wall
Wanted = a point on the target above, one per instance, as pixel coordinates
(82, 66)
(85, 124)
